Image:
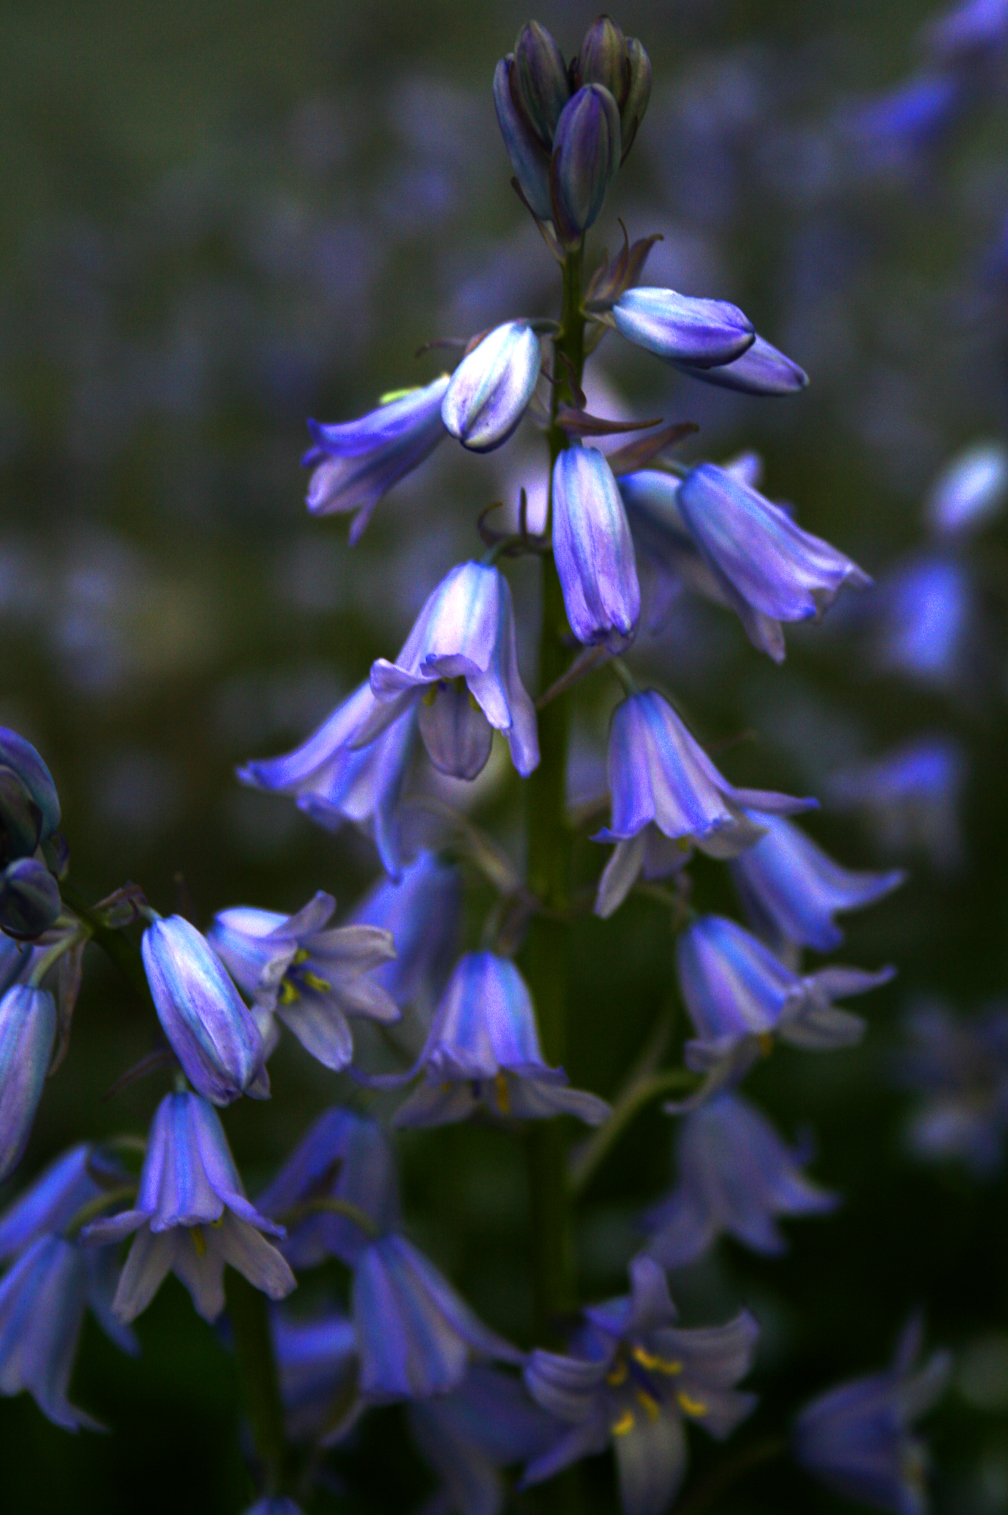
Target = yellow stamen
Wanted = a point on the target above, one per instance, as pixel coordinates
(287, 993)
(198, 1240)
(617, 1375)
(656, 1364)
(503, 1094)
(649, 1403)
(313, 981)
(692, 1406)
(429, 694)
(623, 1425)
(301, 956)
(397, 394)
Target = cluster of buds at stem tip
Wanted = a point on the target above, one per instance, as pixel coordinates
(567, 128)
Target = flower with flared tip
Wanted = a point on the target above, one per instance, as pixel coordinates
(213, 1035)
(191, 1217)
(586, 157)
(465, 631)
(683, 328)
(661, 781)
(483, 1053)
(631, 1382)
(27, 1037)
(309, 977)
(593, 550)
(530, 159)
(490, 390)
(423, 911)
(355, 463)
(761, 370)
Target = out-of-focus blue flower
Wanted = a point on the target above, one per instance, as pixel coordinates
(274, 1504)
(587, 148)
(27, 1037)
(213, 1035)
(791, 889)
(857, 1439)
(483, 1053)
(310, 978)
(910, 798)
(594, 550)
(343, 1160)
(50, 1203)
(894, 131)
(768, 568)
(662, 781)
(960, 1066)
(761, 370)
(191, 1216)
(529, 158)
(968, 32)
(315, 1358)
(490, 390)
(924, 621)
(633, 1380)
(29, 815)
(971, 491)
(740, 997)
(465, 631)
(356, 462)
(335, 778)
(423, 911)
(682, 328)
(736, 1177)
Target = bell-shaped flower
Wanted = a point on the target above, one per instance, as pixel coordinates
(960, 1068)
(465, 630)
(858, 1438)
(662, 781)
(310, 975)
(909, 797)
(736, 1176)
(27, 1037)
(423, 912)
(761, 370)
(29, 898)
(539, 82)
(586, 157)
(768, 568)
(925, 623)
(740, 997)
(683, 328)
(191, 1217)
(790, 889)
(633, 1380)
(530, 159)
(49, 1204)
(335, 778)
(483, 1053)
(213, 1035)
(316, 1358)
(490, 390)
(356, 462)
(29, 804)
(593, 549)
(456, 734)
(971, 491)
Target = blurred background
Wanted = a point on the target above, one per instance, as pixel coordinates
(217, 219)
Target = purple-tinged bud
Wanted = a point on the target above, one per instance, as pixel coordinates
(211, 1032)
(636, 103)
(586, 157)
(539, 84)
(761, 370)
(27, 1035)
(682, 329)
(29, 804)
(492, 386)
(604, 59)
(29, 899)
(593, 549)
(454, 730)
(529, 158)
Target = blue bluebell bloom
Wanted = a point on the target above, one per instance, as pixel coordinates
(761, 370)
(664, 786)
(307, 974)
(191, 1217)
(736, 1176)
(791, 890)
(29, 816)
(213, 1035)
(27, 1038)
(356, 462)
(483, 1053)
(894, 132)
(960, 1068)
(858, 1439)
(587, 148)
(423, 911)
(968, 32)
(924, 622)
(632, 1381)
(593, 550)
(490, 390)
(910, 797)
(316, 1357)
(683, 328)
(971, 491)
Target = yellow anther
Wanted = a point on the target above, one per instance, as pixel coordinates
(198, 1240)
(617, 1375)
(624, 1424)
(287, 993)
(397, 394)
(430, 694)
(692, 1406)
(301, 956)
(655, 1364)
(648, 1403)
(215, 1225)
(502, 1094)
(313, 981)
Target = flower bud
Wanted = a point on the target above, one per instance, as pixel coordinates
(492, 386)
(27, 1034)
(586, 156)
(636, 103)
(454, 730)
(29, 899)
(604, 59)
(539, 84)
(212, 1034)
(593, 549)
(682, 328)
(29, 804)
(529, 159)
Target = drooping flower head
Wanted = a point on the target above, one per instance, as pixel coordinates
(423, 914)
(594, 550)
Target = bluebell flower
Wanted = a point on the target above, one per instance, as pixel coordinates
(587, 148)
(530, 159)
(736, 1176)
(769, 569)
(593, 549)
(968, 32)
(465, 630)
(29, 898)
(29, 816)
(761, 370)
(316, 1358)
(682, 328)
(663, 785)
(740, 997)
(27, 1038)
(791, 889)
(924, 622)
(633, 1380)
(910, 797)
(356, 462)
(971, 491)
(490, 390)
(335, 779)
(423, 911)
(894, 132)
(858, 1439)
(960, 1067)
(191, 1217)
(309, 977)
(483, 1053)
(211, 1032)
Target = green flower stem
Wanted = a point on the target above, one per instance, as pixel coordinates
(249, 1316)
(124, 953)
(587, 1158)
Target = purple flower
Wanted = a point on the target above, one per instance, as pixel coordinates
(910, 797)
(971, 491)
(894, 131)
(27, 1037)
(661, 781)
(490, 390)
(586, 158)
(960, 1067)
(29, 804)
(309, 977)
(483, 1053)
(464, 631)
(356, 462)
(925, 624)
(593, 549)
(761, 370)
(211, 1032)
(968, 32)
(681, 328)
(316, 1358)
(539, 82)
(529, 158)
(423, 913)
(736, 1177)
(191, 1217)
